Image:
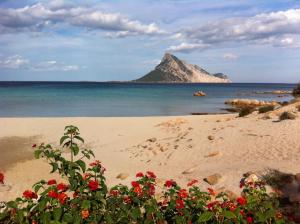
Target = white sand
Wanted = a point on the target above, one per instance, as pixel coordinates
(242, 144)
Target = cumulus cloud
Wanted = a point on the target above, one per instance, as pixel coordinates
(41, 15)
(187, 47)
(13, 62)
(272, 28)
(18, 62)
(229, 56)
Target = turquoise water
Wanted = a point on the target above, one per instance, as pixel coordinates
(59, 99)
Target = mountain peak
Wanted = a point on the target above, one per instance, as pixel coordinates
(171, 69)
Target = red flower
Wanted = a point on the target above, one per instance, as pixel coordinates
(114, 193)
(52, 194)
(170, 183)
(96, 163)
(75, 194)
(85, 214)
(127, 200)
(51, 182)
(183, 193)
(212, 192)
(62, 187)
(138, 190)
(151, 174)
(249, 220)
(140, 174)
(192, 182)
(179, 204)
(34, 145)
(241, 200)
(62, 197)
(135, 184)
(93, 185)
(212, 204)
(29, 194)
(1, 178)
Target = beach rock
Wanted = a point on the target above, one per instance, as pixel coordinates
(213, 179)
(188, 171)
(199, 93)
(152, 140)
(250, 102)
(287, 116)
(210, 137)
(277, 92)
(122, 176)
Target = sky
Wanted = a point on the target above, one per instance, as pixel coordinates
(119, 40)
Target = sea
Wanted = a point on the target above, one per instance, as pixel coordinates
(114, 99)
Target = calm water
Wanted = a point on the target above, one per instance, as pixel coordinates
(40, 99)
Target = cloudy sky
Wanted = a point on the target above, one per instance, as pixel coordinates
(103, 40)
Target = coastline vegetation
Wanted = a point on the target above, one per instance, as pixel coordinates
(84, 197)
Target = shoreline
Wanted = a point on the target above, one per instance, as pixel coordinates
(182, 149)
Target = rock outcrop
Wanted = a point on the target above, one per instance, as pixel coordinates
(173, 70)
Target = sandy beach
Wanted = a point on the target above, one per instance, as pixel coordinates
(181, 147)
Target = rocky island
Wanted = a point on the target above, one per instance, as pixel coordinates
(173, 70)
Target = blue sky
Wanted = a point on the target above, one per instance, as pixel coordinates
(107, 40)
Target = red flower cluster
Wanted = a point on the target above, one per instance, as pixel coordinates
(29, 195)
(150, 174)
(51, 182)
(96, 163)
(62, 187)
(170, 183)
(241, 200)
(1, 178)
(192, 182)
(182, 193)
(52, 194)
(179, 204)
(62, 197)
(114, 193)
(93, 185)
(139, 174)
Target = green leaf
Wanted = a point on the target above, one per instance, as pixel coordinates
(206, 216)
(229, 215)
(81, 164)
(46, 217)
(75, 149)
(79, 138)
(42, 205)
(54, 167)
(135, 213)
(86, 204)
(57, 212)
(12, 204)
(37, 154)
(63, 138)
(67, 217)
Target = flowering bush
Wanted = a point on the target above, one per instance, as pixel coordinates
(83, 196)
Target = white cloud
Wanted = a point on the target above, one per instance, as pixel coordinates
(260, 28)
(18, 62)
(13, 62)
(229, 56)
(187, 47)
(41, 15)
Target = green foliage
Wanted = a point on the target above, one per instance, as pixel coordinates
(83, 197)
(245, 111)
(266, 109)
